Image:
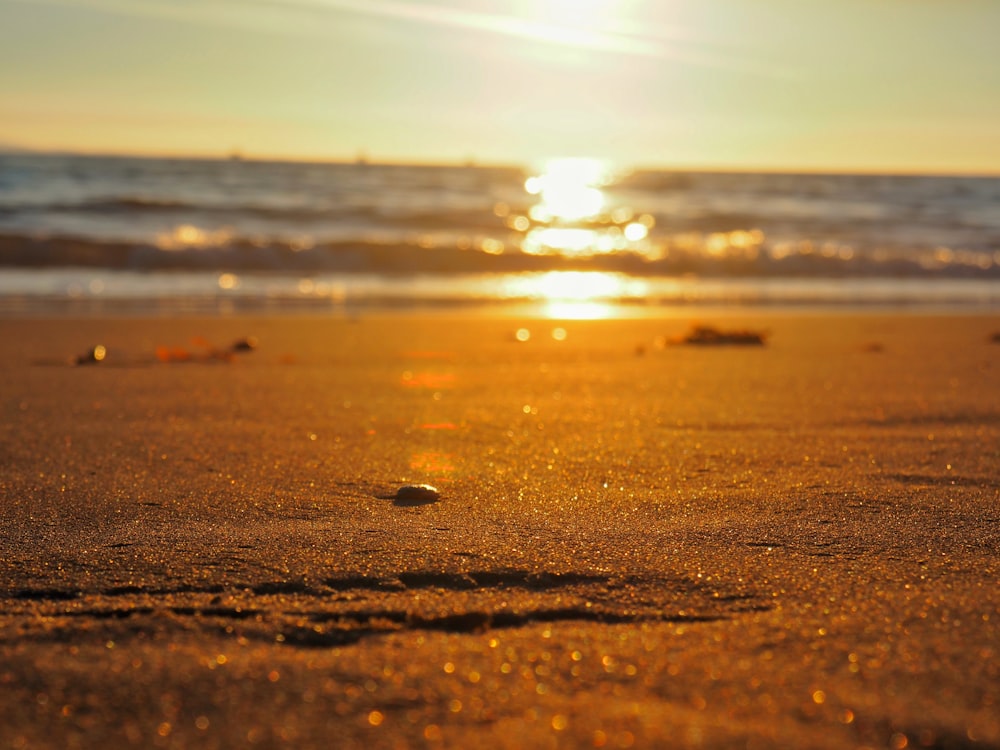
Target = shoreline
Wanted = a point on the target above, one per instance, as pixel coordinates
(636, 543)
(712, 298)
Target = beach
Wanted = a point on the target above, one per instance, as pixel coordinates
(638, 542)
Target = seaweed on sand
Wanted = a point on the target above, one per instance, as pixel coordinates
(700, 335)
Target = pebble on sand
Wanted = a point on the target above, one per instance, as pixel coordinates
(92, 357)
(247, 344)
(417, 494)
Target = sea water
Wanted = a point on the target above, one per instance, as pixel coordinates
(127, 233)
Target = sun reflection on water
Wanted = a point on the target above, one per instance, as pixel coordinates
(573, 216)
(569, 190)
(563, 310)
(577, 295)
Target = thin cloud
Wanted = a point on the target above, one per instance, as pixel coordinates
(120, 7)
(492, 23)
(663, 43)
(204, 12)
(667, 44)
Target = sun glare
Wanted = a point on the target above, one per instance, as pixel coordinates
(569, 190)
(573, 216)
(576, 295)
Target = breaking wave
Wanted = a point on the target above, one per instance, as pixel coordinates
(718, 255)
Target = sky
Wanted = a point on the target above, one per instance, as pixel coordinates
(851, 85)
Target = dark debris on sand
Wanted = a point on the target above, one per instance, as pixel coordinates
(708, 336)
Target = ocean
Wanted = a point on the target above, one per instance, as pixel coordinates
(573, 238)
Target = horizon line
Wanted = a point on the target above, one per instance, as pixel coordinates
(471, 161)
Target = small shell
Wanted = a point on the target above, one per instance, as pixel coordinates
(94, 355)
(417, 494)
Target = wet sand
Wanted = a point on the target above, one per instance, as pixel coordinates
(636, 544)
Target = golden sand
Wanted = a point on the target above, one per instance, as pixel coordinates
(636, 544)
